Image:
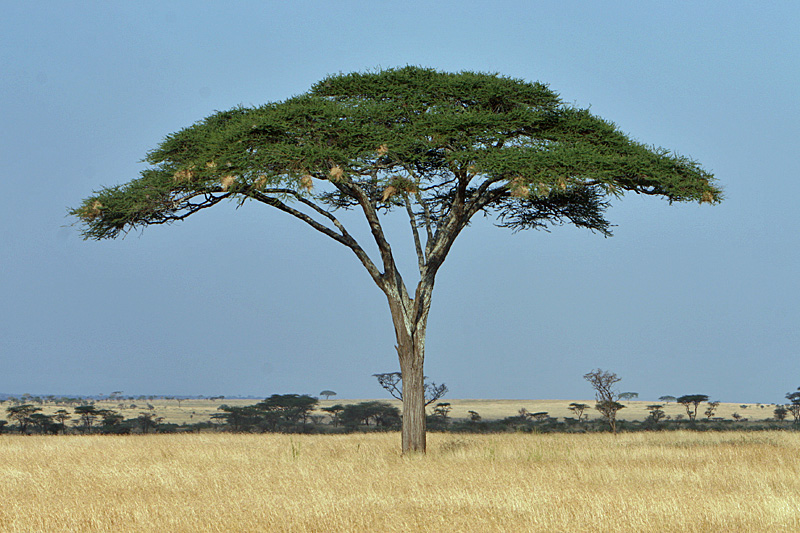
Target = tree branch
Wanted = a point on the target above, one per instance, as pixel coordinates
(344, 238)
(415, 232)
(391, 273)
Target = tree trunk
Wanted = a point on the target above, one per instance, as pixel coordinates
(410, 325)
(411, 366)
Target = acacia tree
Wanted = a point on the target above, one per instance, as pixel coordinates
(578, 409)
(603, 383)
(439, 147)
(691, 402)
(22, 414)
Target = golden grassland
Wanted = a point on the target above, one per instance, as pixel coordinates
(652, 482)
(200, 410)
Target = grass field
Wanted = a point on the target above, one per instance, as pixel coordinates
(653, 482)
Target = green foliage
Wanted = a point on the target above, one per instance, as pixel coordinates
(514, 147)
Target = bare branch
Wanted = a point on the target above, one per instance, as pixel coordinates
(391, 273)
(415, 232)
(343, 238)
(393, 383)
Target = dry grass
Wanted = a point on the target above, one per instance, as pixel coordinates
(677, 481)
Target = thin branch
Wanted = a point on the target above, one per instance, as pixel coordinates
(417, 244)
(390, 268)
(343, 238)
(426, 213)
(425, 210)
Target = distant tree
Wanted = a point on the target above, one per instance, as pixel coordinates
(327, 394)
(43, 423)
(578, 409)
(393, 383)
(474, 416)
(291, 408)
(737, 417)
(794, 406)
(87, 415)
(442, 410)
(691, 402)
(22, 415)
(609, 411)
(148, 422)
(62, 415)
(112, 420)
(667, 399)
(711, 409)
(656, 412)
(628, 395)
(381, 414)
(780, 413)
(239, 419)
(603, 382)
(334, 411)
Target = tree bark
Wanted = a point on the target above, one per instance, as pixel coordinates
(410, 326)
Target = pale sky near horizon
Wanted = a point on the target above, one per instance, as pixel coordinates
(682, 299)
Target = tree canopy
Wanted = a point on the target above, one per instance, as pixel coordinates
(439, 147)
(399, 137)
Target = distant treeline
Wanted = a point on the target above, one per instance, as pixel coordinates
(295, 413)
(114, 396)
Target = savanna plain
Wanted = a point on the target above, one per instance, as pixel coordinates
(644, 481)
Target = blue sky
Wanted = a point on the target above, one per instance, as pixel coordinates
(683, 299)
